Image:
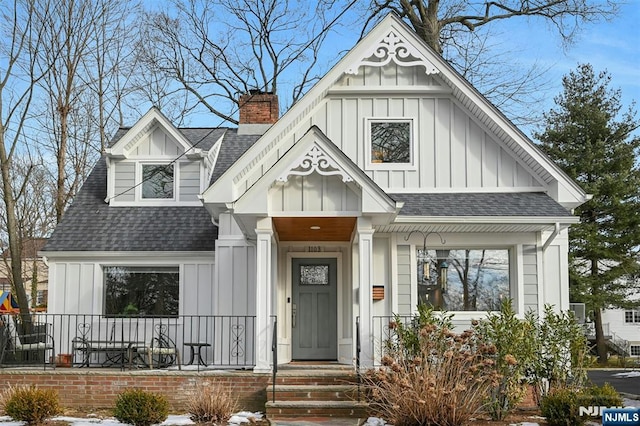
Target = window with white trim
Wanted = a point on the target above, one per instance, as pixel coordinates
(391, 141)
(158, 181)
(632, 316)
(635, 350)
(463, 279)
(141, 290)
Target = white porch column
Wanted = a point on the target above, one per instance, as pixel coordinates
(365, 272)
(264, 290)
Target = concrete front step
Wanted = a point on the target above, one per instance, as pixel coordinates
(294, 409)
(315, 377)
(314, 393)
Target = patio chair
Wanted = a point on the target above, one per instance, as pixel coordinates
(162, 351)
(12, 342)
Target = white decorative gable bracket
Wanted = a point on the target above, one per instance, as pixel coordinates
(393, 48)
(316, 160)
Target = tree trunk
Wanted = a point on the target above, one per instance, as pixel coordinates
(426, 24)
(61, 193)
(601, 344)
(13, 230)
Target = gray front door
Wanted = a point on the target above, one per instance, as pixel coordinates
(314, 309)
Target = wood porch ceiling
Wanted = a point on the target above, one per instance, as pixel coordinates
(299, 228)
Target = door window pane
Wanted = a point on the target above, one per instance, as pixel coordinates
(314, 274)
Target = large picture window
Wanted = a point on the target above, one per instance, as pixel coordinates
(390, 141)
(463, 280)
(141, 291)
(157, 181)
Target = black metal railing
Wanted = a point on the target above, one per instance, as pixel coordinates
(274, 352)
(381, 331)
(86, 340)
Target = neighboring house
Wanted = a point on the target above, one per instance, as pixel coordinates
(391, 181)
(623, 325)
(33, 268)
(621, 328)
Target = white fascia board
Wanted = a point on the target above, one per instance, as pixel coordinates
(153, 117)
(129, 256)
(546, 220)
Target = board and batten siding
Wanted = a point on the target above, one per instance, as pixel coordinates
(78, 287)
(314, 193)
(530, 277)
(404, 280)
(157, 144)
(451, 149)
(124, 180)
(189, 181)
(236, 289)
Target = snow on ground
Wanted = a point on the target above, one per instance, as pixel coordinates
(627, 374)
(243, 417)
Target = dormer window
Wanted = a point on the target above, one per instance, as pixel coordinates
(157, 181)
(390, 141)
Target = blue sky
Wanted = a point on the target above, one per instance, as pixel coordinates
(612, 46)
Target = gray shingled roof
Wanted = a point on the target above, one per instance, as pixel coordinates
(529, 204)
(233, 146)
(90, 224)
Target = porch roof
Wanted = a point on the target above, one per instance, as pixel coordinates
(526, 204)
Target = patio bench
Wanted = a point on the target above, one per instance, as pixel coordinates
(117, 351)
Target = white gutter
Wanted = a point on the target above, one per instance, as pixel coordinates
(552, 237)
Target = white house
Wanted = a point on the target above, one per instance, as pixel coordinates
(392, 181)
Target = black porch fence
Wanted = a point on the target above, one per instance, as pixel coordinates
(84, 340)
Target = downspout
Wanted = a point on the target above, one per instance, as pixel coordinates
(552, 237)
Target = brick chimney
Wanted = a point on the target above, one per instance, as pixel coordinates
(258, 111)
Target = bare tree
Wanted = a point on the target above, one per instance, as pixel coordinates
(439, 22)
(19, 75)
(78, 36)
(216, 50)
(110, 66)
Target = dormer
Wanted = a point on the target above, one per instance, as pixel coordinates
(153, 164)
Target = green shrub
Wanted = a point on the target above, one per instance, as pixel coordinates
(210, 403)
(515, 342)
(562, 353)
(601, 396)
(30, 404)
(560, 407)
(141, 408)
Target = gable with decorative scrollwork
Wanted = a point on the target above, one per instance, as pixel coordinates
(393, 48)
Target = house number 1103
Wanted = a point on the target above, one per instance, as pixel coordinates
(314, 249)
